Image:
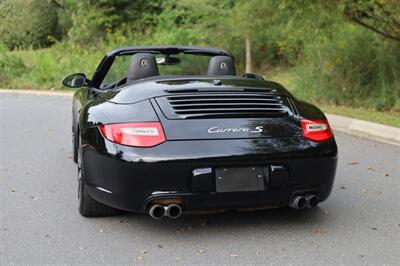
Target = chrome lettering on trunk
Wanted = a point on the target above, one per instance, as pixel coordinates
(257, 129)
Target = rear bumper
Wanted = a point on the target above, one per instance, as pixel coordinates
(130, 178)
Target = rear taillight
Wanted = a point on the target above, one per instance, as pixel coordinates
(145, 134)
(316, 130)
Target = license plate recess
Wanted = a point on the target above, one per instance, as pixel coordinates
(235, 179)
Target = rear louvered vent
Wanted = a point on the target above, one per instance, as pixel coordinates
(230, 105)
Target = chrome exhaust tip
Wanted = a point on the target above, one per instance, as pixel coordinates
(298, 202)
(312, 201)
(157, 212)
(173, 211)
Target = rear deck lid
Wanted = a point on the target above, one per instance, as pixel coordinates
(226, 115)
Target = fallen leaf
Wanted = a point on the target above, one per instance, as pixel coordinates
(370, 168)
(386, 174)
(320, 231)
(13, 190)
(353, 163)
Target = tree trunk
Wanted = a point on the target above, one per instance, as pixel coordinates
(248, 54)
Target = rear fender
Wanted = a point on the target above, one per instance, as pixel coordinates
(96, 113)
(308, 111)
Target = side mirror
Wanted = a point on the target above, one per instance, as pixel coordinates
(75, 80)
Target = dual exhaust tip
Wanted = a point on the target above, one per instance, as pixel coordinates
(175, 211)
(159, 211)
(304, 201)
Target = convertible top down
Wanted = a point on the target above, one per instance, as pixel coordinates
(172, 129)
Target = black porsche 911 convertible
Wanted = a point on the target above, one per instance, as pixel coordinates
(172, 129)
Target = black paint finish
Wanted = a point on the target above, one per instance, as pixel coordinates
(134, 176)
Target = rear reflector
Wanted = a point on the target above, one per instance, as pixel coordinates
(146, 134)
(316, 130)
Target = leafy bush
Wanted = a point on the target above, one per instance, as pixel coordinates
(11, 67)
(27, 23)
(45, 68)
(93, 20)
(354, 68)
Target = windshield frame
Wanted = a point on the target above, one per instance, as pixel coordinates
(109, 58)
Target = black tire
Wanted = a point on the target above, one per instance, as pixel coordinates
(88, 207)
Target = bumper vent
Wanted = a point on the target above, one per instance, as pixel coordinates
(224, 105)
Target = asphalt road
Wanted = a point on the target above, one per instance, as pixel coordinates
(40, 224)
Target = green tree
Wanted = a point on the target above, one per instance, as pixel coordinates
(379, 16)
(27, 23)
(93, 20)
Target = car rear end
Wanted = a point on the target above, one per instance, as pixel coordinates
(213, 150)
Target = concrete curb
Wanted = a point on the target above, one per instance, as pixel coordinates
(37, 92)
(374, 131)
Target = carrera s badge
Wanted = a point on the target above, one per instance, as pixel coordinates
(256, 129)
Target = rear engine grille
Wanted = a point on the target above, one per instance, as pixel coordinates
(201, 105)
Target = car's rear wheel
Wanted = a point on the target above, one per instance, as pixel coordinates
(89, 207)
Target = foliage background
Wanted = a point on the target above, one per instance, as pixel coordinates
(314, 47)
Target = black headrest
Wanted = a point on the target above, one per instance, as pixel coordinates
(142, 66)
(221, 65)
